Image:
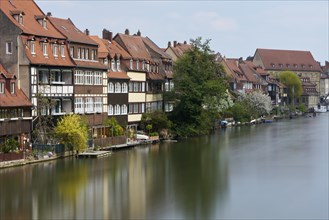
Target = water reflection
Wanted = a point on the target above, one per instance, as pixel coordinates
(267, 171)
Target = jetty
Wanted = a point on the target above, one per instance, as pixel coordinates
(93, 154)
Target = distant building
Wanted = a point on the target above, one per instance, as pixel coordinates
(324, 80)
(15, 110)
(177, 50)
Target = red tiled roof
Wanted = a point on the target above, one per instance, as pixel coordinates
(113, 48)
(233, 66)
(31, 13)
(135, 46)
(18, 99)
(155, 47)
(154, 76)
(90, 64)
(180, 49)
(169, 74)
(118, 75)
(68, 29)
(248, 72)
(39, 59)
(303, 59)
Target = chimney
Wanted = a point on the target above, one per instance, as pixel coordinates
(107, 35)
(169, 44)
(237, 63)
(139, 33)
(175, 43)
(87, 32)
(185, 42)
(49, 14)
(127, 31)
(240, 60)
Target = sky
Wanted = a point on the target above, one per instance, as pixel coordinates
(236, 28)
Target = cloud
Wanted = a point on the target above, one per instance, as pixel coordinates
(215, 21)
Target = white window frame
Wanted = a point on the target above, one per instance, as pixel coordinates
(83, 53)
(79, 77)
(2, 87)
(62, 50)
(55, 50)
(71, 51)
(124, 88)
(87, 54)
(117, 110)
(131, 63)
(44, 49)
(98, 78)
(9, 47)
(113, 65)
(32, 47)
(89, 77)
(111, 87)
(118, 65)
(79, 105)
(117, 88)
(124, 109)
(98, 104)
(89, 105)
(110, 110)
(79, 53)
(137, 64)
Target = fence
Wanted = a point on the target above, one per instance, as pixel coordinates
(109, 141)
(11, 156)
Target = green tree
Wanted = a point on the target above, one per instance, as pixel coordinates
(293, 84)
(116, 129)
(72, 131)
(158, 120)
(199, 84)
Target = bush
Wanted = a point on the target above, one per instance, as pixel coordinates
(9, 145)
(152, 134)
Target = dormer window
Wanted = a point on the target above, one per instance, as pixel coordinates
(288, 65)
(303, 66)
(12, 88)
(79, 53)
(18, 16)
(42, 20)
(87, 54)
(311, 67)
(2, 87)
(83, 53)
(44, 23)
(272, 65)
(280, 65)
(62, 51)
(71, 51)
(137, 64)
(131, 63)
(55, 50)
(44, 49)
(143, 65)
(32, 47)
(113, 64)
(118, 64)
(295, 66)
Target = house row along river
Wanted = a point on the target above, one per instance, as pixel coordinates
(267, 171)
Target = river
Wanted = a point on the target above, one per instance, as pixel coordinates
(269, 171)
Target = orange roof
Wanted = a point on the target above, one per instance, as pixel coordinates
(118, 75)
(31, 12)
(39, 59)
(90, 64)
(289, 59)
(135, 46)
(155, 47)
(248, 72)
(154, 76)
(18, 99)
(110, 47)
(68, 29)
(180, 49)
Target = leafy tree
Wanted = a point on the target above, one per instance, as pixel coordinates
(72, 131)
(293, 84)
(257, 103)
(157, 119)
(116, 129)
(199, 86)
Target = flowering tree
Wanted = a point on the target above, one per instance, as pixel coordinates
(257, 103)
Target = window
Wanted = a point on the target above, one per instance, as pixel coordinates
(57, 108)
(98, 104)
(143, 65)
(78, 106)
(131, 86)
(110, 110)
(136, 86)
(32, 47)
(124, 110)
(137, 64)
(124, 88)
(93, 54)
(89, 105)
(71, 51)
(131, 63)
(55, 49)
(79, 53)
(62, 51)
(118, 64)
(44, 23)
(106, 61)
(88, 78)
(295, 66)
(78, 77)
(83, 53)
(56, 76)
(44, 49)
(113, 65)
(98, 78)
(117, 88)
(288, 65)
(111, 87)
(87, 54)
(9, 47)
(117, 110)
(43, 76)
(2, 88)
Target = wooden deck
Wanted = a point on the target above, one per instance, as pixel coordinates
(93, 154)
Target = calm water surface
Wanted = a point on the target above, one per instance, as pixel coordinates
(269, 171)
